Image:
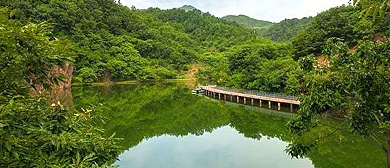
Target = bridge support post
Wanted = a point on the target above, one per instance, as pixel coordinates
(231, 97)
(252, 101)
(269, 104)
(261, 102)
(238, 99)
(291, 107)
(244, 100)
(219, 96)
(225, 97)
(279, 107)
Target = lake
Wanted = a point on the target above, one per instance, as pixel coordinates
(164, 125)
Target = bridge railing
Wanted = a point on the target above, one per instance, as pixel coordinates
(258, 93)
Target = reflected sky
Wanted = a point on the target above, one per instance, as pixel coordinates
(224, 147)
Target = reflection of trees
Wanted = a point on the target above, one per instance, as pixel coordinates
(64, 96)
(254, 124)
(340, 150)
(137, 112)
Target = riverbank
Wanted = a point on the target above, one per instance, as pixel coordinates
(136, 82)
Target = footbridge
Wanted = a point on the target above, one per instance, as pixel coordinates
(249, 96)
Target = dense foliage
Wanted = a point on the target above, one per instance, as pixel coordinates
(26, 52)
(32, 132)
(111, 42)
(266, 65)
(287, 29)
(340, 22)
(36, 134)
(353, 85)
(261, 64)
(246, 21)
(116, 43)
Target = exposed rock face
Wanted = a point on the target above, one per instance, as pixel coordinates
(67, 71)
(62, 91)
(322, 61)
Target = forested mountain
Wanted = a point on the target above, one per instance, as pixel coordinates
(248, 22)
(287, 29)
(114, 42)
(118, 43)
(339, 22)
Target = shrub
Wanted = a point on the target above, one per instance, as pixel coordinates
(33, 133)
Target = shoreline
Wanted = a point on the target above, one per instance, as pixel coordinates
(134, 82)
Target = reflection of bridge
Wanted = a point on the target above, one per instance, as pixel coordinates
(252, 96)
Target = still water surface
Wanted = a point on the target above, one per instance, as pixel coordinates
(164, 125)
(224, 147)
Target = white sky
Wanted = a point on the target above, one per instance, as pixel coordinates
(271, 10)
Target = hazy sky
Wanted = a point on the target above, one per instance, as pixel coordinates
(271, 10)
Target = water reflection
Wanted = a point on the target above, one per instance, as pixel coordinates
(224, 147)
(164, 125)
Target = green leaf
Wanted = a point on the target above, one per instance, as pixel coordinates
(3, 125)
(16, 155)
(12, 13)
(7, 146)
(367, 12)
(376, 11)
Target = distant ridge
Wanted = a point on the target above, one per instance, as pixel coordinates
(188, 8)
(248, 21)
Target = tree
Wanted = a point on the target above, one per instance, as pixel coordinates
(340, 22)
(32, 132)
(375, 8)
(27, 55)
(355, 85)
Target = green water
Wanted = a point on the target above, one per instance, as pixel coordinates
(164, 125)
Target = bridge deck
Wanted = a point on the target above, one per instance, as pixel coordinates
(272, 99)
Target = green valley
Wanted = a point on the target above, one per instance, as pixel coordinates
(337, 62)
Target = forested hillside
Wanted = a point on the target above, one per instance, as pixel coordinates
(118, 43)
(248, 22)
(340, 22)
(114, 42)
(287, 29)
(345, 55)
